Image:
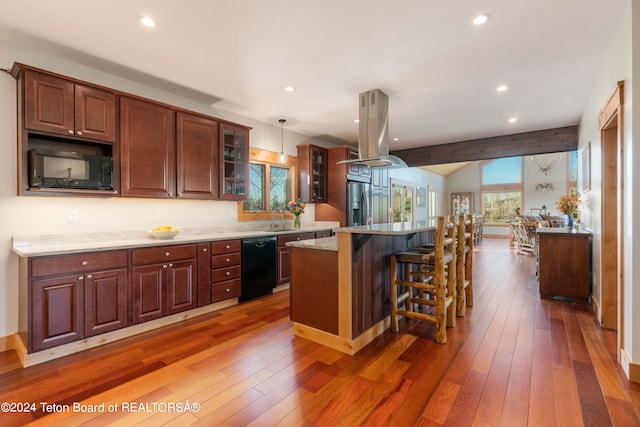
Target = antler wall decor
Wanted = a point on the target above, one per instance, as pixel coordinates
(544, 187)
(547, 168)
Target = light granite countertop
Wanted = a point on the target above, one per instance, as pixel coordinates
(324, 243)
(391, 229)
(58, 244)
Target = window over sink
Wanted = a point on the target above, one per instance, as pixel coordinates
(271, 186)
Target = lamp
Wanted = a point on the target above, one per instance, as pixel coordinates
(282, 157)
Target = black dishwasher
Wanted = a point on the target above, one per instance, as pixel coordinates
(259, 274)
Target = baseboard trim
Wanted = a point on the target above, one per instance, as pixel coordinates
(30, 359)
(631, 369)
(344, 345)
(8, 343)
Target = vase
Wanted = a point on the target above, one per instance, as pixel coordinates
(568, 221)
(296, 222)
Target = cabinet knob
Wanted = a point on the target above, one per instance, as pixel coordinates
(167, 253)
(70, 131)
(227, 247)
(79, 132)
(164, 266)
(228, 260)
(228, 273)
(228, 290)
(89, 276)
(170, 265)
(84, 263)
(80, 277)
(204, 249)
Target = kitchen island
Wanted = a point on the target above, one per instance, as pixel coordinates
(340, 285)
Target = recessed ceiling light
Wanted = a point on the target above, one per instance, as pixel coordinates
(502, 88)
(480, 19)
(396, 139)
(289, 88)
(356, 120)
(513, 120)
(147, 21)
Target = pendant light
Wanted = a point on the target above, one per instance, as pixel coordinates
(282, 157)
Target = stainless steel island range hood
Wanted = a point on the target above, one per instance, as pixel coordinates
(373, 135)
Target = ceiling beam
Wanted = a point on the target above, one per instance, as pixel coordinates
(519, 144)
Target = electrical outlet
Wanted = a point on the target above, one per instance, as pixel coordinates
(156, 214)
(72, 215)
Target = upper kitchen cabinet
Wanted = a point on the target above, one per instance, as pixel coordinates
(147, 149)
(62, 107)
(197, 157)
(234, 159)
(313, 173)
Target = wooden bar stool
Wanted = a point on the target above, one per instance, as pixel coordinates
(464, 263)
(427, 273)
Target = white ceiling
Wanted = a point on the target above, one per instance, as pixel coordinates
(439, 70)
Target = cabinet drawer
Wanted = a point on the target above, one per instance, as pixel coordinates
(50, 266)
(324, 233)
(227, 260)
(225, 290)
(293, 237)
(225, 247)
(221, 274)
(162, 254)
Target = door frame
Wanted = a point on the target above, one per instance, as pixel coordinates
(611, 122)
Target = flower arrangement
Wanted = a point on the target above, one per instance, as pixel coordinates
(569, 203)
(297, 209)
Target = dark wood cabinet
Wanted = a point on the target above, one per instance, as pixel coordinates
(197, 157)
(564, 263)
(234, 162)
(284, 253)
(57, 307)
(181, 286)
(76, 296)
(226, 262)
(312, 166)
(62, 107)
(148, 292)
(105, 301)
(147, 154)
(163, 281)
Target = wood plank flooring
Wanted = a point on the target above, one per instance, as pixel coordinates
(513, 360)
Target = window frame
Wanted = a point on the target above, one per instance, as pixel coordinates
(268, 159)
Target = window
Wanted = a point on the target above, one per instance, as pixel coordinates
(573, 171)
(402, 202)
(501, 189)
(271, 186)
(433, 206)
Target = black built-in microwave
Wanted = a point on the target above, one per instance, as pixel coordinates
(69, 169)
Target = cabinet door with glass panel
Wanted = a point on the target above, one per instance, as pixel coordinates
(234, 155)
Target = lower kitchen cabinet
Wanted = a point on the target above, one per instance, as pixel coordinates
(105, 301)
(226, 262)
(163, 281)
(284, 253)
(76, 296)
(57, 306)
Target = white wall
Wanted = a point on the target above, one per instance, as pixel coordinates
(420, 178)
(621, 63)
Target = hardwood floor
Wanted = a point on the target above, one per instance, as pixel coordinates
(514, 360)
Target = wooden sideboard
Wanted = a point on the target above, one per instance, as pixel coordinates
(564, 262)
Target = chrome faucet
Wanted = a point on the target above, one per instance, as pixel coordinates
(273, 218)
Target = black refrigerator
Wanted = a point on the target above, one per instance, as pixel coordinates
(358, 203)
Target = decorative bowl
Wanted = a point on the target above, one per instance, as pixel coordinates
(163, 235)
